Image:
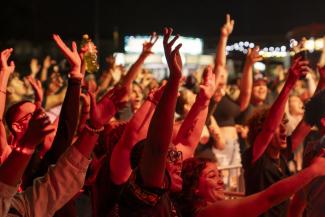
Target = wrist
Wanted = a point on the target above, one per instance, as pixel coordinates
(224, 36)
(75, 73)
(93, 125)
(93, 128)
(203, 100)
(28, 151)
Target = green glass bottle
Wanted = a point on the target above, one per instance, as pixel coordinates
(90, 56)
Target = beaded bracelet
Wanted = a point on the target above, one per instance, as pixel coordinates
(93, 130)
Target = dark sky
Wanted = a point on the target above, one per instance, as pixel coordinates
(38, 19)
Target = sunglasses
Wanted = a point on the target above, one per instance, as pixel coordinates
(174, 156)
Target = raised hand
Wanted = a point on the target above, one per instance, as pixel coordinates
(298, 69)
(228, 27)
(147, 45)
(38, 127)
(253, 55)
(34, 67)
(104, 110)
(47, 62)
(71, 55)
(38, 89)
(155, 94)
(85, 102)
(172, 56)
(208, 85)
(5, 68)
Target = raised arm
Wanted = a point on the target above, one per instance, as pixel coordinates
(275, 115)
(69, 114)
(136, 67)
(189, 134)
(45, 67)
(38, 90)
(303, 129)
(152, 165)
(225, 31)
(5, 72)
(135, 131)
(66, 178)
(246, 84)
(256, 204)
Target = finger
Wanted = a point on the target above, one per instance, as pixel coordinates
(156, 39)
(74, 47)
(152, 36)
(176, 50)
(60, 43)
(39, 83)
(228, 18)
(166, 37)
(167, 33)
(171, 43)
(12, 64)
(232, 23)
(8, 53)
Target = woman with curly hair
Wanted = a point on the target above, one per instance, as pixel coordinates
(203, 190)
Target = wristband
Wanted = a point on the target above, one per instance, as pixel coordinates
(94, 130)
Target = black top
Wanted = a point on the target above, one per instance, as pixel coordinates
(226, 112)
(263, 173)
(139, 201)
(105, 193)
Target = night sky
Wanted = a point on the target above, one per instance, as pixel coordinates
(38, 19)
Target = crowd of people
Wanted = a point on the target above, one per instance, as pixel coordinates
(122, 143)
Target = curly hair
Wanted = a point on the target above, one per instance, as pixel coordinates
(255, 123)
(315, 109)
(191, 172)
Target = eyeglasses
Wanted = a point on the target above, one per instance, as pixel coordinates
(174, 156)
(26, 117)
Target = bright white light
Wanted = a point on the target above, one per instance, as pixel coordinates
(259, 66)
(277, 49)
(265, 49)
(319, 44)
(193, 46)
(119, 58)
(310, 44)
(293, 43)
(283, 48)
(251, 45)
(236, 46)
(271, 49)
(246, 44)
(241, 44)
